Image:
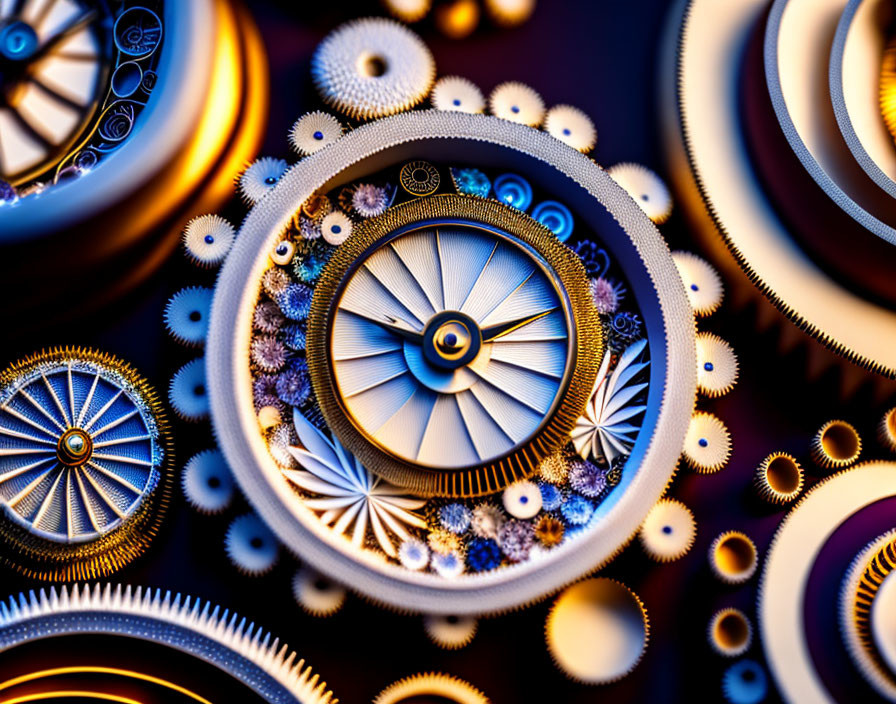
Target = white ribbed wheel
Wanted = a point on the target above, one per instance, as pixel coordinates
(79, 450)
(450, 345)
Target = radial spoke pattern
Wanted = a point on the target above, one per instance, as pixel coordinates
(437, 417)
(69, 502)
(53, 88)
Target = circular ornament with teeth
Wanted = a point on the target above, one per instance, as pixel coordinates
(779, 478)
(733, 557)
(444, 379)
(730, 632)
(668, 531)
(451, 346)
(85, 464)
(597, 631)
(836, 445)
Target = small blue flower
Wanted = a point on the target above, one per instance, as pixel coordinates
(295, 301)
(455, 517)
(550, 496)
(577, 510)
(308, 268)
(294, 336)
(7, 192)
(483, 554)
(293, 384)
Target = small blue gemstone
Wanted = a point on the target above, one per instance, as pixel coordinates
(456, 101)
(270, 180)
(318, 135)
(708, 366)
(514, 109)
(524, 499)
(209, 239)
(336, 229)
(451, 339)
(667, 529)
(566, 131)
(694, 287)
(703, 442)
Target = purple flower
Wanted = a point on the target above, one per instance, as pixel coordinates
(587, 479)
(293, 384)
(516, 539)
(369, 200)
(268, 353)
(268, 317)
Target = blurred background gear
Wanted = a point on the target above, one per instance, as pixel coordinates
(117, 121)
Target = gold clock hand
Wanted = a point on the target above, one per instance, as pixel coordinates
(493, 332)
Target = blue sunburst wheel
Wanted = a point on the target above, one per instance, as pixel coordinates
(85, 464)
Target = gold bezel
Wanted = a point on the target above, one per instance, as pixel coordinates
(585, 353)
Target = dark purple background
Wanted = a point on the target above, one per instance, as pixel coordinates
(602, 57)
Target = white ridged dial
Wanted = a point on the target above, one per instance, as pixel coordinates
(450, 345)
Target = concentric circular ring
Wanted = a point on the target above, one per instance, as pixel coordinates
(237, 648)
(599, 203)
(788, 564)
(717, 177)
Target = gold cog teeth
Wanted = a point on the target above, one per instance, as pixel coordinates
(431, 683)
(886, 430)
(729, 632)
(450, 632)
(733, 557)
(37, 559)
(779, 478)
(836, 445)
(888, 87)
(866, 573)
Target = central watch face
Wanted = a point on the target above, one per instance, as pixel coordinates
(450, 344)
(448, 340)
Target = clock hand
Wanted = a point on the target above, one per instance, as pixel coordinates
(493, 332)
(399, 327)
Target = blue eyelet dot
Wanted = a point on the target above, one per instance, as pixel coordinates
(456, 101)
(708, 366)
(336, 229)
(270, 180)
(451, 339)
(645, 197)
(667, 529)
(209, 239)
(695, 287)
(566, 131)
(524, 499)
(514, 109)
(703, 442)
(318, 135)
